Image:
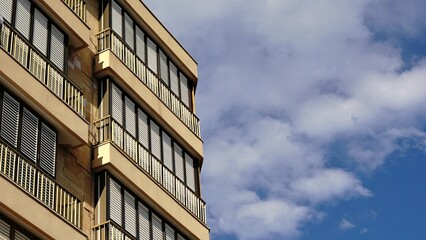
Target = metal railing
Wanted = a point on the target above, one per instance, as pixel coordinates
(41, 69)
(108, 40)
(77, 6)
(23, 173)
(110, 130)
(109, 231)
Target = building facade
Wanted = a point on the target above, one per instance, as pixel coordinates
(98, 133)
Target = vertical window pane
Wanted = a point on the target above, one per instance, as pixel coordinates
(179, 237)
(40, 32)
(140, 44)
(128, 27)
(4, 230)
(152, 56)
(6, 10)
(57, 48)
(155, 140)
(10, 119)
(157, 228)
(174, 81)
(117, 105)
(170, 233)
(115, 201)
(144, 225)
(23, 17)
(184, 90)
(20, 236)
(180, 173)
(29, 135)
(47, 149)
(190, 172)
(116, 19)
(167, 152)
(143, 129)
(130, 117)
(130, 213)
(164, 71)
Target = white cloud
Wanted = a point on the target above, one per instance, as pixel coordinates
(363, 231)
(345, 225)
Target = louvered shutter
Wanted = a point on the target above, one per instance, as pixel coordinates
(47, 149)
(179, 237)
(143, 129)
(184, 90)
(117, 20)
(57, 48)
(167, 152)
(157, 228)
(180, 173)
(130, 116)
(117, 105)
(174, 81)
(152, 56)
(190, 172)
(164, 71)
(140, 44)
(128, 29)
(130, 213)
(115, 201)
(10, 119)
(40, 32)
(4, 230)
(20, 236)
(155, 140)
(23, 17)
(144, 225)
(29, 135)
(6, 9)
(170, 233)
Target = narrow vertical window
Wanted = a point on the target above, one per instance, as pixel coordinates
(130, 213)
(143, 129)
(129, 32)
(4, 230)
(29, 135)
(10, 119)
(6, 10)
(40, 32)
(190, 172)
(155, 140)
(167, 152)
(179, 237)
(157, 228)
(140, 44)
(47, 149)
(116, 19)
(130, 117)
(115, 200)
(117, 105)
(164, 71)
(184, 90)
(23, 17)
(144, 225)
(57, 48)
(174, 81)
(170, 233)
(152, 56)
(180, 172)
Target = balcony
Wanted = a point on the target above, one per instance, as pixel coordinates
(78, 7)
(110, 131)
(107, 40)
(37, 188)
(44, 87)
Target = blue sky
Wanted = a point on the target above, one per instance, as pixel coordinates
(313, 115)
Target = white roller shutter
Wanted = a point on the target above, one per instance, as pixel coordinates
(29, 135)
(140, 44)
(130, 116)
(190, 172)
(130, 213)
(20, 236)
(179, 237)
(40, 32)
(47, 149)
(144, 225)
(152, 55)
(143, 129)
(174, 81)
(128, 29)
(157, 228)
(6, 9)
(117, 105)
(23, 17)
(10, 119)
(164, 71)
(180, 173)
(117, 19)
(4, 230)
(57, 47)
(155, 140)
(167, 152)
(115, 201)
(184, 90)
(170, 233)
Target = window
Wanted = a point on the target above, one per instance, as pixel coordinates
(23, 17)
(155, 140)
(129, 32)
(130, 213)
(117, 105)
(140, 44)
(47, 149)
(116, 19)
(157, 228)
(11, 231)
(167, 152)
(190, 172)
(10, 119)
(57, 48)
(185, 90)
(130, 116)
(29, 135)
(164, 72)
(144, 224)
(115, 201)
(40, 32)
(143, 129)
(152, 55)
(6, 10)
(174, 80)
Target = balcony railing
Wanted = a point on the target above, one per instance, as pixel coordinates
(110, 130)
(77, 6)
(109, 231)
(109, 40)
(41, 69)
(22, 173)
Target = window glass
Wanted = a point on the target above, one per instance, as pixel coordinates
(184, 90)
(164, 71)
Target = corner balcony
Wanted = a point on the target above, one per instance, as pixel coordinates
(36, 81)
(33, 195)
(118, 152)
(109, 41)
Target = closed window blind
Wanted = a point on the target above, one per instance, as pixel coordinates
(29, 135)
(130, 117)
(20, 236)
(116, 19)
(10, 119)
(164, 71)
(130, 213)
(190, 172)
(57, 48)
(184, 90)
(143, 129)
(117, 105)
(6, 10)
(155, 140)
(115, 201)
(23, 17)
(167, 152)
(180, 172)
(174, 81)
(144, 225)
(157, 228)
(152, 56)
(170, 233)
(40, 32)
(4, 230)
(140, 44)
(179, 237)
(47, 149)
(128, 29)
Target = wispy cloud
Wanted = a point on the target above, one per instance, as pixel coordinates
(363, 231)
(345, 225)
